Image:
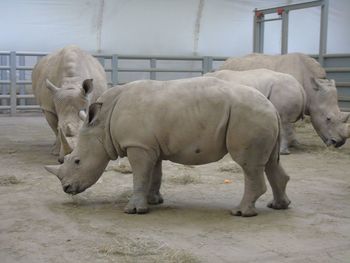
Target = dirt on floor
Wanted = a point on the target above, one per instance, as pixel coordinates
(40, 223)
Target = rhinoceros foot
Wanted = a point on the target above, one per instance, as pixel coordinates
(155, 199)
(279, 204)
(245, 212)
(284, 151)
(136, 205)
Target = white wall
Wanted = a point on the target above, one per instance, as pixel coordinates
(162, 27)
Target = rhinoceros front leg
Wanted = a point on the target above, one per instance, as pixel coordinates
(154, 197)
(142, 165)
(52, 120)
(254, 187)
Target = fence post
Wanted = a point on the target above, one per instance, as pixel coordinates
(153, 64)
(4, 76)
(207, 64)
(114, 70)
(13, 79)
(22, 76)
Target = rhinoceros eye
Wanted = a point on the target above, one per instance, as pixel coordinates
(77, 161)
(328, 118)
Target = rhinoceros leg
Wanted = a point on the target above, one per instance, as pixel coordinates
(154, 197)
(52, 120)
(278, 180)
(284, 138)
(254, 187)
(142, 165)
(290, 135)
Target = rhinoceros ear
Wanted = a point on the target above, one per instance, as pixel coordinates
(94, 111)
(87, 86)
(344, 116)
(51, 86)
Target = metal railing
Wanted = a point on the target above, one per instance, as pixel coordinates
(13, 70)
(15, 77)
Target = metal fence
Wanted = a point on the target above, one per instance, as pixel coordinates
(15, 73)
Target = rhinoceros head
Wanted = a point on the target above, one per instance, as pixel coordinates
(326, 117)
(69, 100)
(86, 163)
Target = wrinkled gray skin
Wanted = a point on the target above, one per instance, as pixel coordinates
(321, 93)
(283, 90)
(189, 121)
(60, 90)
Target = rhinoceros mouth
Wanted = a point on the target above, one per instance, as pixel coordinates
(70, 189)
(339, 143)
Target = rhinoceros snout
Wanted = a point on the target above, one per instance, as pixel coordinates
(71, 189)
(337, 144)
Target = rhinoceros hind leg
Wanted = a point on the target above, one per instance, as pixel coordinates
(254, 187)
(154, 197)
(142, 165)
(278, 180)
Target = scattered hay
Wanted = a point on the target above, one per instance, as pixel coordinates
(9, 180)
(135, 249)
(185, 176)
(120, 168)
(230, 167)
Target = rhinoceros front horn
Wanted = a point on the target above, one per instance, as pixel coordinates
(54, 169)
(82, 115)
(67, 149)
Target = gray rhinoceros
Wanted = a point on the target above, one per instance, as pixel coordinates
(321, 93)
(283, 90)
(60, 90)
(188, 121)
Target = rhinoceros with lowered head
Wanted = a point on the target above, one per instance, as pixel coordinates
(188, 121)
(64, 83)
(321, 93)
(283, 90)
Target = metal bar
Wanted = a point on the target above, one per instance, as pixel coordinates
(22, 76)
(153, 64)
(336, 69)
(323, 31)
(291, 7)
(133, 57)
(255, 34)
(261, 37)
(207, 64)
(5, 107)
(13, 100)
(158, 70)
(4, 68)
(284, 42)
(114, 70)
(4, 97)
(25, 96)
(268, 20)
(31, 107)
(4, 79)
(24, 67)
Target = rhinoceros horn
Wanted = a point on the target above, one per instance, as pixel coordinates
(82, 115)
(67, 149)
(54, 169)
(51, 86)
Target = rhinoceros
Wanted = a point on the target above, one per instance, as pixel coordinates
(321, 93)
(188, 121)
(283, 90)
(64, 83)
